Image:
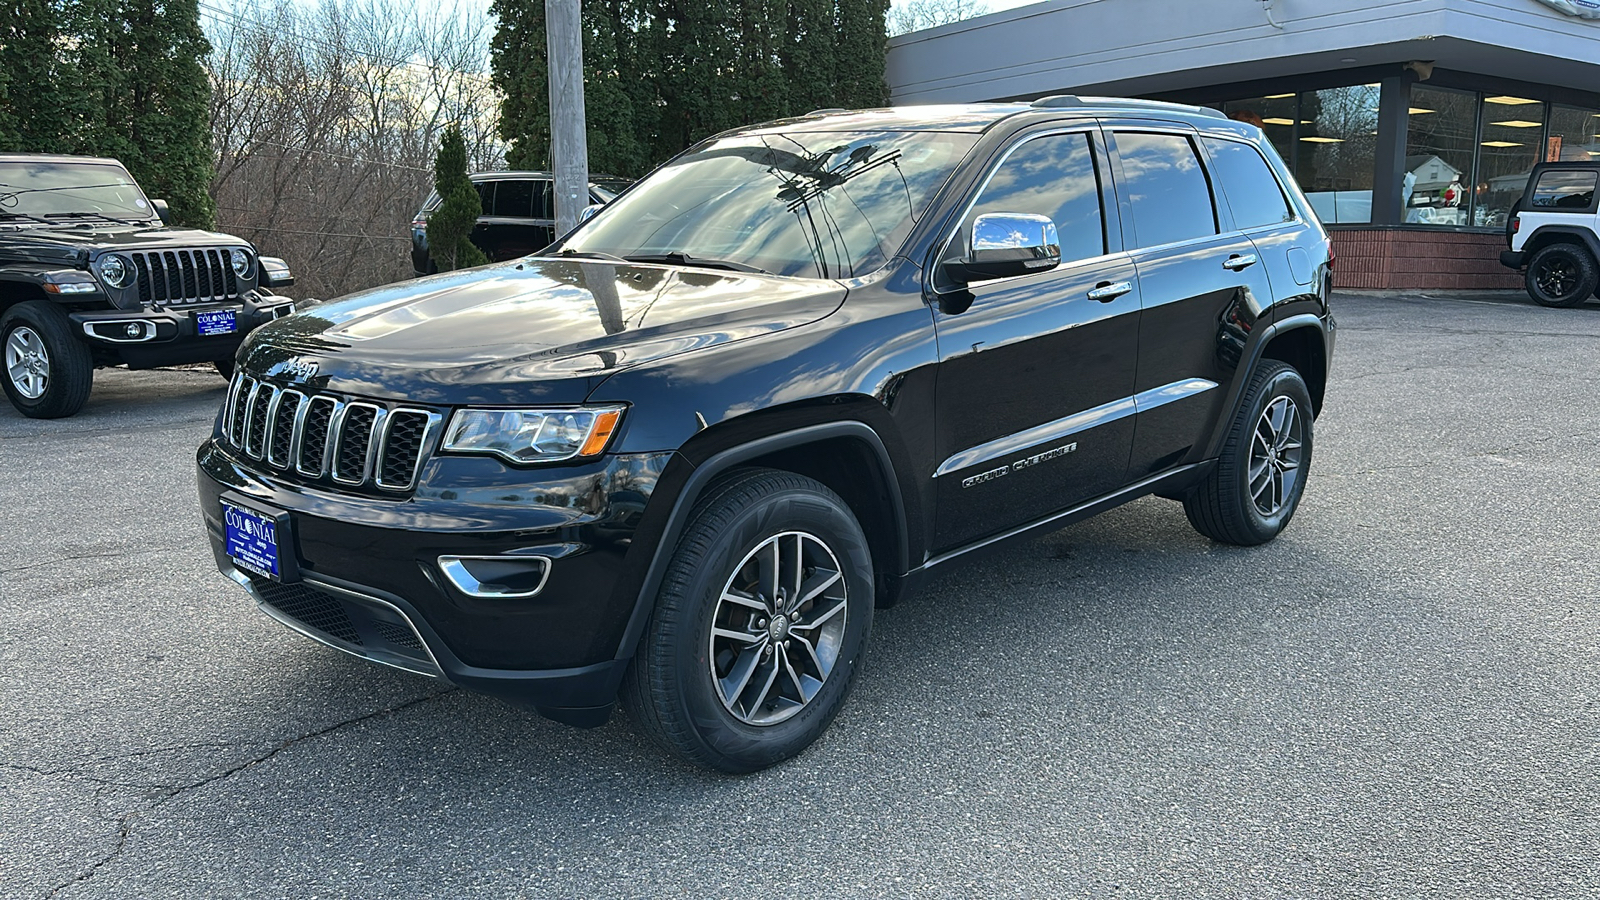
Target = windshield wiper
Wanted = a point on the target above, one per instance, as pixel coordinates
(82, 215)
(684, 259)
(591, 254)
(17, 215)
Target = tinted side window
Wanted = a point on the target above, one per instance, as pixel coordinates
(1162, 178)
(1253, 193)
(1565, 190)
(1051, 176)
(543, 208)
(485, 196)
(514, 199)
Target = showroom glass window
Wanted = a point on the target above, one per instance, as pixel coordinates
(1441, 137)
(1574, 135)
(1328, 139)
(1511, 143)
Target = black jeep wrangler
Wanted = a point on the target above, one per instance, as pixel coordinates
(90, 276)
(683, 453)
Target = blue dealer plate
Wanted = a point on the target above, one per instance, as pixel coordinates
(252, 541)
(221, 321)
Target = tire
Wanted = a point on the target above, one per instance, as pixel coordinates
(679, 684)
(1562, 275)
(224, 368)
(1230, 505)
(48, 372)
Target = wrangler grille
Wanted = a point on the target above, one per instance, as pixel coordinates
(354, 443)
(185, 276)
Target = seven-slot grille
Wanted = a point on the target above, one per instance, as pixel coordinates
(356, 443)
(185, 276)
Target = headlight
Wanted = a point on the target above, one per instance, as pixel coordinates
(115, 271)
(241, 263)
(533, 435)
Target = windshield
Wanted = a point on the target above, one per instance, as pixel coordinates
(41, 188)
(813, 204)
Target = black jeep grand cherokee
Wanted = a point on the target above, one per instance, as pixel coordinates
(684, 453)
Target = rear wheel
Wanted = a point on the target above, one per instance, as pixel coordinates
(1256, 485)
(1562, 275)
(759, 627)
(48, 372)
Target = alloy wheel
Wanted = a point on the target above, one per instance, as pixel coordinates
(1275, 456)
(27, 362)
(1557, 278)
(777, 628)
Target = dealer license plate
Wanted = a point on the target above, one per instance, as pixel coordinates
(252, 541)
(219, 321)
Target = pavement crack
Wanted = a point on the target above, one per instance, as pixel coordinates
(125, 823)
(79, 558)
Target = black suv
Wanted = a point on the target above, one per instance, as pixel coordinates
(518, 215)
(90, 276)
(779, 381)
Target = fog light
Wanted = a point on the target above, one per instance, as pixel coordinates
(134, 330)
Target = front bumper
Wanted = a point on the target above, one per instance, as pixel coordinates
(1513, 259)
(171, 335)
(363, 574)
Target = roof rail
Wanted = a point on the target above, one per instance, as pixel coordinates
(823, 112)
(1072, 101)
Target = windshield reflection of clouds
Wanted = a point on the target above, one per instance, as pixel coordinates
(50, 188)
(824, 204)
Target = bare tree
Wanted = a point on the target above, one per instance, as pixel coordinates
(325, 121)
(915, 15)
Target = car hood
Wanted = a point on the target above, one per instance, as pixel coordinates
(531, 331)
(77, 244)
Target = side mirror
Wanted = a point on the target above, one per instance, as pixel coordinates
(1005, 245)
(275, 272)
(160, 206)
(589, 212)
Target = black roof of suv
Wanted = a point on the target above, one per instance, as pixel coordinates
(682, 454)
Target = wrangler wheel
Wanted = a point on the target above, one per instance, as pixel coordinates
(48, 372)
(1562, 275)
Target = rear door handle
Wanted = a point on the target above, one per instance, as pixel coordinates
(1237, 262)
(1107, 291)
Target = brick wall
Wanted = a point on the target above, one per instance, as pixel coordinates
(1401, 259)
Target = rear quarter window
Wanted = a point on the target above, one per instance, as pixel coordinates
(1564, 190)
(1253, 194)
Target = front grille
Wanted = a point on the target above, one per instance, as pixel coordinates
(325, 437)
(185, 276)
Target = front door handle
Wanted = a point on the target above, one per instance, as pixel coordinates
(1237, 262)
(1107, 291)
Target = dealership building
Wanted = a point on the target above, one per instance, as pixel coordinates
(1411, 125)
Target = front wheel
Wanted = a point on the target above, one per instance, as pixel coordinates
(1256, 485)
(759, 627)
(1562, 275)
(48, 371)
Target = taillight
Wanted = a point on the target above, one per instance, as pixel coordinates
(1516, 224)
(1328, 242)
(418, 223)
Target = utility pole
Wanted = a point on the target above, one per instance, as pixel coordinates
(569, 144)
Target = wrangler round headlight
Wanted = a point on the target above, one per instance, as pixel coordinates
(242, 263)
(115, 271)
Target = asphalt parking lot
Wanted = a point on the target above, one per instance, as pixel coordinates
(1398, 698)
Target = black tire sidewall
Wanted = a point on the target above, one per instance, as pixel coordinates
(71, 366)
(1588, 276)
(730, 744)
(1286, 382)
